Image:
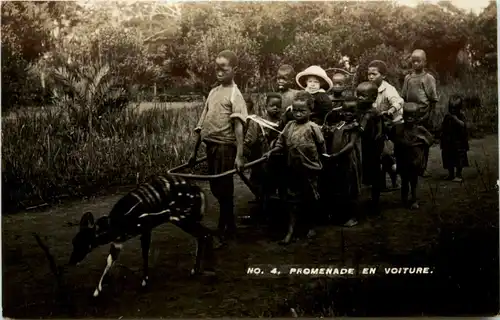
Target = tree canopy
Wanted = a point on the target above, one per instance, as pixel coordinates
(173, 45)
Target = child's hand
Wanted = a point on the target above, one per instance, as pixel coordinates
(267, 155)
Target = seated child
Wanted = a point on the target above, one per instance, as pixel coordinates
(372, 139)
(410, 143)
(315, 81)
(342, 167)
(260, 139)
(454, 139)
(303, 143)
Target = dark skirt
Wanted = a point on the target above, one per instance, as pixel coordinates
(454, 158)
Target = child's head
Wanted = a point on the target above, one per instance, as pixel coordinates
(455, 104)
(313, 83)
(418, 60)
(302, 106)
(338, 81)
(377, 71)
(285, 77)
(410, 113)
(349, 108)
(225, 66)
(249, 103)
(366, 93)
(273, 104)
(313, 79)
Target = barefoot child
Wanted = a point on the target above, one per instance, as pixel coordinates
(342, 166)
(410, 144)
(259, 140)
(315, 81)
(372, 139)
(420, 87)
(303, 143)
(454, 140)
(389, 104)
(221, 128)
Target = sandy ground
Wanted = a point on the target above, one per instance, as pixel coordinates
(30, 290)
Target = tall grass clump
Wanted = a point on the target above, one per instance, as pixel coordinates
(482, 117)
(45, 155)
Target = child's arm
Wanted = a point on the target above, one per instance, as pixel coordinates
(431, 91)
(280, 142)
(319, 139)
(458, 121)
(350, 145)
(395, 101)
(239, 117)
(404, 90)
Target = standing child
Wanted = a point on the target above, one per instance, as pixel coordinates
(259, 140)
(420, 87)
(337, 97)
(285, 81)
(372, 139)
(221, 128)
(454, 139)
(389, 104)
(315, 81)
(411, 142)
(303, 144)
(342, 166)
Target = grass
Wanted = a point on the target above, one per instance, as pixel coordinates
(46, 157)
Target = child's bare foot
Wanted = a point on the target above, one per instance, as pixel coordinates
(351, 223)
(396, 186)
(414, 206)
(458, 179)
(311, 234)
(449, 177)
(286, 240)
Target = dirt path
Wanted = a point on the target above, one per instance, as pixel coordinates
(29, 289)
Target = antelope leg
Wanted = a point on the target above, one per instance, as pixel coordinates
(145, 244)
(114, 251)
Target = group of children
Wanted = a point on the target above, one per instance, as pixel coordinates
(323, 143)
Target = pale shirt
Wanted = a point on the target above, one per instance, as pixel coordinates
(388, 98)
(223, 106)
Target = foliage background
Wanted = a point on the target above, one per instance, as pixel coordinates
(93, 59)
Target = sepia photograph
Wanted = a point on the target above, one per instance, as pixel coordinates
(249, 159)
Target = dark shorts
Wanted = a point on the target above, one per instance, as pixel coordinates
(220, 158)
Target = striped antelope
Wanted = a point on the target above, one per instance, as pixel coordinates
(163, 199)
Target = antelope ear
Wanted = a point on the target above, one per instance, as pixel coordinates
(87, 221)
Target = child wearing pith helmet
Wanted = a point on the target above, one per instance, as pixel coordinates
(315, 81)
